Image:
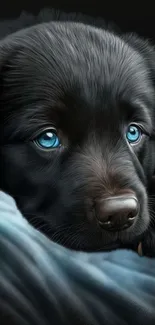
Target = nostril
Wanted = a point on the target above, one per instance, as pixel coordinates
(133, 212)
(105, 224)
(131, 216)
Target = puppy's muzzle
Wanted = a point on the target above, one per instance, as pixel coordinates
(117, 212)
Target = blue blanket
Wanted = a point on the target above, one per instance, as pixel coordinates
(44, 283)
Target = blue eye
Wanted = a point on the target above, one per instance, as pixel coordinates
(133, 133)
(48, 140)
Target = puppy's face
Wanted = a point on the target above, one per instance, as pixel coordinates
(76, 134)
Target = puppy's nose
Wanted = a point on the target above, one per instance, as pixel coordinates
(117, 212)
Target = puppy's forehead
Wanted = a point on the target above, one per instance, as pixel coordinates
(71, 55)
(90, 63)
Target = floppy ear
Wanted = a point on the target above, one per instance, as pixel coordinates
(9, 48)
(6, 52)
(10, 45)
(147, 50)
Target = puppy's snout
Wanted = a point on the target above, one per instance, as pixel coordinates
(117, 212)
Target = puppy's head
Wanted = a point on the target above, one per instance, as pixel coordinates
(77, 114)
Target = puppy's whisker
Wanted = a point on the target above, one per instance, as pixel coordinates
(68, 232)
(71, 232)
(67, 227)
(71, 239)
(152, 220)
(33, 217)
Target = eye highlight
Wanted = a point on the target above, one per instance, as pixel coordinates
(134, 134)
(48, 140)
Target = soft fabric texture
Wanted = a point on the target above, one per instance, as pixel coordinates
(42, 283)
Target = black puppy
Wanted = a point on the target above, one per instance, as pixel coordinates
(77, 119)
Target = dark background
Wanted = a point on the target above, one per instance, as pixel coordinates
(136, 16)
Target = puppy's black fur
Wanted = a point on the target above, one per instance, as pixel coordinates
(90, 84)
